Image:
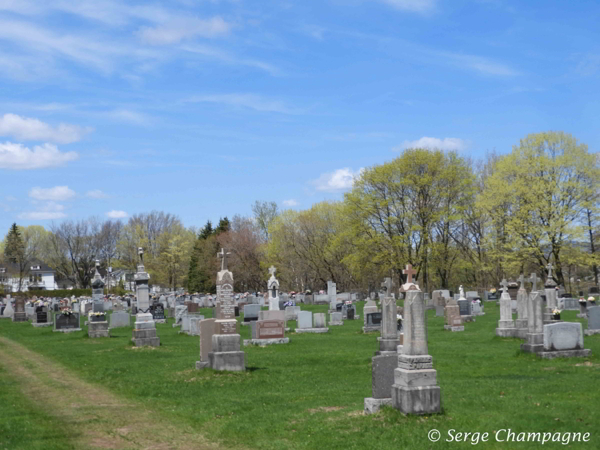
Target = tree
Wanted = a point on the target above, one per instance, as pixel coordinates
(264, 214)
(540, 190)
(14, 252)
(223, 226)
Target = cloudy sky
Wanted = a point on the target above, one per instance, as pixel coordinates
(198, 108)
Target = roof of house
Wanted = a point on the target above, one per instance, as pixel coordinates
(13, 268)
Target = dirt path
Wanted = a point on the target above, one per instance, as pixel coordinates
(101, 419)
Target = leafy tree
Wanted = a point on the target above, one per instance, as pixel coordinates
(264, 214)
(540, 190)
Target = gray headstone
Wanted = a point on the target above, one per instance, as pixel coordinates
(320, 320)
(464, 306)
(119, 319)
(305, 319)
(563, 336)
(594, 318)
(251, 312)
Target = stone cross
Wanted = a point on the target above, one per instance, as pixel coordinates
(223, 255)
(272, 271)
(522, 280)
(549, 267)
(141, 253)
(504, 285)
(533, 280)
(409, 272)
(388, 285)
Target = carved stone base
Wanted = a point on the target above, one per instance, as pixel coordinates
(371, 329)
(19, 317)
(565, 354)
(506, 332)
(98, 329)
(417, 400)
(453, 328)
(373, 405)
(312, 330)
(265, 342)
(145, 337)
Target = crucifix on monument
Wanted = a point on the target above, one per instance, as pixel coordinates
(409, 272)
(504, 285)
(522, 281)
(533, 280)
(272, 271)
(223, 256)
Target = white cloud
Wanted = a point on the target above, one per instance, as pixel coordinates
(290, 203)
(18, 157)
(128, 116)
(96, 193)
(178, 29)
(339, 180)
(10, 198)
(114, 214)
(42, 215)
(448, 144)
(28, 129)
(251, 101)
(57, 193)
(418, 6)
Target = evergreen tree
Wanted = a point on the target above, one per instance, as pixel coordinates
(14, 249)
(207, 231)
(223, 226)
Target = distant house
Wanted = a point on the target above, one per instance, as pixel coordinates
(39, 276)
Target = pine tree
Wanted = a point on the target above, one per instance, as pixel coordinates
(14, 249)
(223, 226)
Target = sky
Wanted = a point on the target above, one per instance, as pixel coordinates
(199, 108)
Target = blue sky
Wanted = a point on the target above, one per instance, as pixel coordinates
(199, 108)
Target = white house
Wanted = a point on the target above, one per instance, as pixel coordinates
(39, 276)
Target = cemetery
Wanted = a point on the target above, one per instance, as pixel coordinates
(299, 225)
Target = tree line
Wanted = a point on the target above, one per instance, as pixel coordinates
(457, 221)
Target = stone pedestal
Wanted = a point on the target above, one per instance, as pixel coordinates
(144, 331)
(98, 329)
(415, 389)
(226, 354)
(19, 316)
(506, 326)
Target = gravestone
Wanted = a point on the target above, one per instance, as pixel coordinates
(226, 351)
(506, 325)
(415, 389)
(273, 290)
(535, 324)
(120, 319)
(19, 315)
(271, 315)
(385, 360)
(453, 318)
(270, 329)
(66, 322)
(439, 311)
(8, 310)
(320, 321)
(476, 309)
(372, 321)
(158, 313)
(251, 312)
(207, 330)
(593, 321)
(304, 319)
(464, 307)
(144, 331)
(335, 319)
(521, 321)
(41, 317)
(291, 312)
(563, 340)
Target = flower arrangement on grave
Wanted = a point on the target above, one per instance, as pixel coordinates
(97, 314)
(399, 320)
(582, 300)
(67, 312)
(556, 313)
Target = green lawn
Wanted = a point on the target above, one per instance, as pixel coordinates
(309, 393)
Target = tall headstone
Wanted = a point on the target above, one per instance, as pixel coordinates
(226, 342)
(273, 289)
(452, 314)
(593, 321)
(144, 330)
(19, 315)
(550, 291)
(506, 325)
(521, 322)
(415, 389)
(535, 324)
(97, 285)
(385, 360)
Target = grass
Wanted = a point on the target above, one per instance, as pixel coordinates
(309, 393)
(23, 425)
